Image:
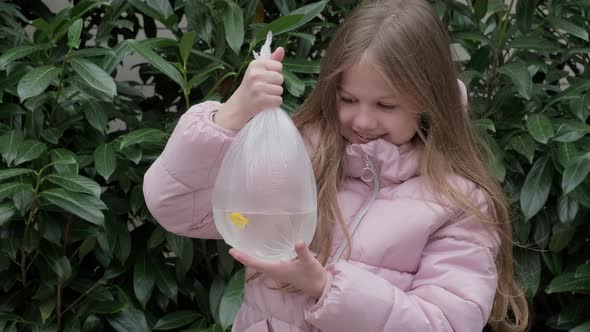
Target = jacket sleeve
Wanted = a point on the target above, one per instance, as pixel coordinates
(453, 289)
(177, 187)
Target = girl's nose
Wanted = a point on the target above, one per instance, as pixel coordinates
(364, 120)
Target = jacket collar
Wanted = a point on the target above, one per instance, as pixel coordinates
(394, 164)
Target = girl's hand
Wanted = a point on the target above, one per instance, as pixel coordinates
(260, 89)
(304, 272)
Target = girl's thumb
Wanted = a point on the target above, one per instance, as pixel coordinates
(278, 54)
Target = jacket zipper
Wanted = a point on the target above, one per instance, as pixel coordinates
(369, 168)
(372, 177)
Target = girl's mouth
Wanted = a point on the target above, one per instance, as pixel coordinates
(366, 138)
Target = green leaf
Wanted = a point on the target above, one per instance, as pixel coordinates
(582, 193)
(553, 262)
(568, 282)
(537, 185)
(580, 107)
(567, 208)
(294, 20)
(29, 150)
(583, 270)
(561, 236)
(176, 319)
(144, 279)
(203, 75)
(302, 66)
(7, 211)
(23, 198)
(528, 270)
(7, 189)
(525, 145)
(46, 308)
(166, 283)
(494, 157)
(233, 23)
(575, 172)
(157, 237)
(520, 77)
(226, 261)
(36, 81)
(105, 160)
(573, 92)
(146, 135)
(540, 127)
(76, 183)
(107, 307)
(129, 320)
(74, 33)
(133, 153)
(525, 12)
(480, 10)
(93, 52)
(52, 135)
(582, 327)
(87, 247)
(294, 84)
(231, 300)
(571, 131)
(92, 324)
(64, 161)
(157, 61)
(111, 62)
(533, 42)
(566, 152)
(199, 19)
(572, 29)
(8, 110)
(15, 53)
(186, 44)
(94, 76)
(9, 144)
(183, 248)
(13, 172)
(56, 261)
(162, 7)
(83, 206)
(96, 114)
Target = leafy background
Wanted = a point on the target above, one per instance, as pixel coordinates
(80, 251)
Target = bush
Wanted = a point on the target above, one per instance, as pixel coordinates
(79, 248)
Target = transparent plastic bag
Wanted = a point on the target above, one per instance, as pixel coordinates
(265, 197)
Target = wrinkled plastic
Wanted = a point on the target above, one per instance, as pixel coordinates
(265, 197)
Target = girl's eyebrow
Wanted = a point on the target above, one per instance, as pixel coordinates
(391, 96)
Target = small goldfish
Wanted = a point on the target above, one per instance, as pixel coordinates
(238, 219)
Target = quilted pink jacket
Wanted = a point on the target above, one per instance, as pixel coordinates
(417, 264)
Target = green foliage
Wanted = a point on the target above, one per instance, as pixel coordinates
(79, 249)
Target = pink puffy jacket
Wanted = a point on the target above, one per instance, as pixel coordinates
(417, 264)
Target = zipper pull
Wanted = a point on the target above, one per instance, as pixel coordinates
(367, 173)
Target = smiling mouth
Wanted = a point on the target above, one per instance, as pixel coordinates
(367, 137)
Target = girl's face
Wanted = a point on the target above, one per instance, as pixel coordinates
(370, 109)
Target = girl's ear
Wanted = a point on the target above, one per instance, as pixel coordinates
(464, 97)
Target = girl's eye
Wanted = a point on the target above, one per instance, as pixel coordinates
(387, 108)
(346, 100)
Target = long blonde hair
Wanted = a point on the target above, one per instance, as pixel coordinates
(412, 48)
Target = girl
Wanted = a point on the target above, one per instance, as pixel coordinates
(413, 232)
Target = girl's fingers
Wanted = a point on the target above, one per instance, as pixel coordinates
(271, 65)
(252, 262)
(273, 89)
(302, 252)
(278, 54)
(273, 77)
